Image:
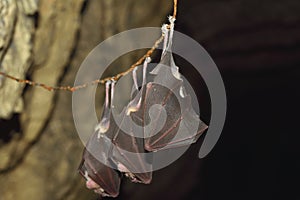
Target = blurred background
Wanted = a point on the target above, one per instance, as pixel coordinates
(256, 46)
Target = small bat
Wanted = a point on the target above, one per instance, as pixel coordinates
(128, 152)
(183, 126)
(100, 177)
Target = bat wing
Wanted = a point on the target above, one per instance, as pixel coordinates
(93, 166)
(182, 126)
(128, 152)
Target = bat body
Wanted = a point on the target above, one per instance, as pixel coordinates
(129, 152)
(183, 126)
(100, 177)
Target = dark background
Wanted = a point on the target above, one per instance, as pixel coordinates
(256, 46)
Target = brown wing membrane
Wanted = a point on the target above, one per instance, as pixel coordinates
(182, 126)
(129, 153)
(93, 166)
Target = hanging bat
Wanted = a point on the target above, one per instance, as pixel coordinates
(183, 126)
(128, 152)
(95, 164)
(100, 177)
(100, 153)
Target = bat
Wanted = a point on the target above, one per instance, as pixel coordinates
(100, 177)
(95, 164)
(128, 152)
(183, 126)
(166, 90)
